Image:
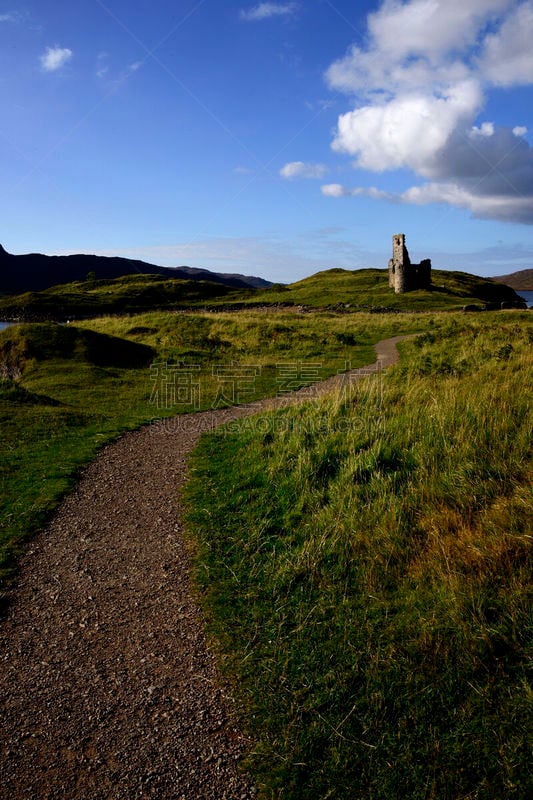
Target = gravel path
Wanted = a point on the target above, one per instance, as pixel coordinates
(107, 687)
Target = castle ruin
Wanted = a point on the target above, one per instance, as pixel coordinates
(404, 276)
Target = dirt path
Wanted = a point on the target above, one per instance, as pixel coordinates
(107, 688)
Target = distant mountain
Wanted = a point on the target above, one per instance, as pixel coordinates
(34, 272)
(228, 278)
(521, 280)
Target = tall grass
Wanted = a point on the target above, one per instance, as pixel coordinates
(365, 562)
(69, 389)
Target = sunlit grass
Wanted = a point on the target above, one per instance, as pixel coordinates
(356, 290)
(128, 294)
(364, 559)
(365, 563)
(349, 290)
(69, 389)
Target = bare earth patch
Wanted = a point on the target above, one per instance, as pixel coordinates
(108, 687)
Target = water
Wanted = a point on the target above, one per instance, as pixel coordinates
(527, 295)
(5, 324)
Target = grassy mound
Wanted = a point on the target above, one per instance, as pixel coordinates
(126, 295)
(365, 563)
(24, 346)
(369, 288)
(359, 290)
(66, 390)
(63, 392)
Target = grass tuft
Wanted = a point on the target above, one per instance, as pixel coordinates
(365, 565)
(65, 390)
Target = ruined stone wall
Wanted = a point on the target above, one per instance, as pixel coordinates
(423, 274)
(404, 276)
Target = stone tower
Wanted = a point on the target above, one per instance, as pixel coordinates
(404, 276)
(399, 263)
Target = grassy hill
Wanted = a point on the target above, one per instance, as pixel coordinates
(24, 346)
(125, 295)
(369, 288)
(359, 290)
(35, 272)
(521, 280)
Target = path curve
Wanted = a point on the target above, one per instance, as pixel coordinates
(107, 687)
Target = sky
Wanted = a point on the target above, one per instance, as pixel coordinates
(269, 138)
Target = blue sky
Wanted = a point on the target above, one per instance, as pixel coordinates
(270, 138)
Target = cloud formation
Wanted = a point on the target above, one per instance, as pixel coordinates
(102, 67)
(299, 169)
(268, 10)
(419, 85)
(54, 58)
(338, 190)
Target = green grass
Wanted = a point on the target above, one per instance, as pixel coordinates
(368, 288)
(364, 560)
(261, 335)
(64, 393)
(66, 390)
(357, 290)
(125, 295)
(365, 565)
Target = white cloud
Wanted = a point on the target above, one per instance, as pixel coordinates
(335, 190)
(507, 58)
(515, 208)
(419, 85)
(115, 80)
(511, 208)
(412, 45)
(429, 28)
(13, 16)
(406, 131)
(268, 10)
(102, 68)
(299, 169)
(338, 190)
(486, 129)
(54, 58)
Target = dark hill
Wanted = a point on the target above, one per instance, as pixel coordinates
(129, 294)
(23, 345)
(519, 281)
(34, 272)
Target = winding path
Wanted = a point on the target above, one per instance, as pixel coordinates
(107, 687)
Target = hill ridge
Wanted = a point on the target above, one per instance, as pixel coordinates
(521, 279)
(37, 272)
